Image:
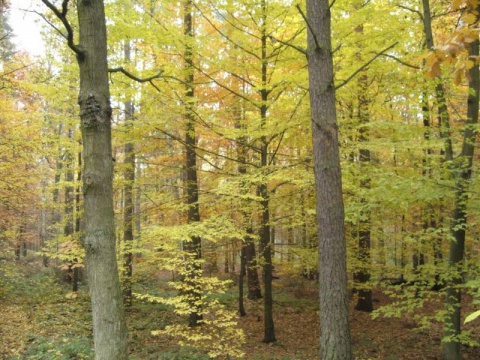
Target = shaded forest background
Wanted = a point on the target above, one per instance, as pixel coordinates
(212, 146)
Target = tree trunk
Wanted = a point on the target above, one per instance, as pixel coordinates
(109, 329)
(361, 276)
(248, 246)
(253, 280)
(69, 200)
(265, 241)
(241, 278)
(78, 220)
(334, 323)
(463, 173)
(192, 246)
(128, 207)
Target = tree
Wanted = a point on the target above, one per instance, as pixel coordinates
(109, 328)
(462, 171)
(128, 208)
(192, 246)
(334, 323)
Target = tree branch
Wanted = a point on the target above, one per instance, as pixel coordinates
(412, 10)
(135, 78)
(62, 16)
(298, 48)
(50, 23)
(308, 25)
(401, 61)
(361, 68)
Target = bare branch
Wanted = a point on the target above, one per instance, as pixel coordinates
(361, 68)
(411, 10)
(62, 16)
(309, 27)
(135, 78)
(298, 48)
(402, 62)
(50, 23)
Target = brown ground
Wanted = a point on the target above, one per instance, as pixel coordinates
(380, 338)
(296, 325)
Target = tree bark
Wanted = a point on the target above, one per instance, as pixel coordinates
(193, 245)
(253, 281)
(265, 241)
(69, 200)
(334, 323)
(361, 276)
(109, 329)
(243, 271)
(128, 208)
(463, 172)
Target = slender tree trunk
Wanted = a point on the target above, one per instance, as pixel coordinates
(463, 173)
(241, 278)
(128, 207)
(265, 241)
(334, 323)
(109, 329)
(248, 254)
(78, 220)
(443, 116)
(69, 200)
(253, 280)
(43, 224)
(193, 245)
(361, 275)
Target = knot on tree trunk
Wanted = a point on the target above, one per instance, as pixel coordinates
(91, 113)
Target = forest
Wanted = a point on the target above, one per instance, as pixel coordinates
(254, 179)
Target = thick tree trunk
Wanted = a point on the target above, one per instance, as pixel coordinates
(334, 323)
(109, 329)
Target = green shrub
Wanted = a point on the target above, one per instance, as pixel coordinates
(43, 348)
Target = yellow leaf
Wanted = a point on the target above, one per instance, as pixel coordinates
(72, 295)
(458, 76)
(456, 5)
(434, 70)
(471, 18)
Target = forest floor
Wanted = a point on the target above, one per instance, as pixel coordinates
(38, 320)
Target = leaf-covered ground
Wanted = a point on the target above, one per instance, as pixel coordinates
(38, 321)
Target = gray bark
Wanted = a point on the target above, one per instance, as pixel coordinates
(109, 329)
(334, 323)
